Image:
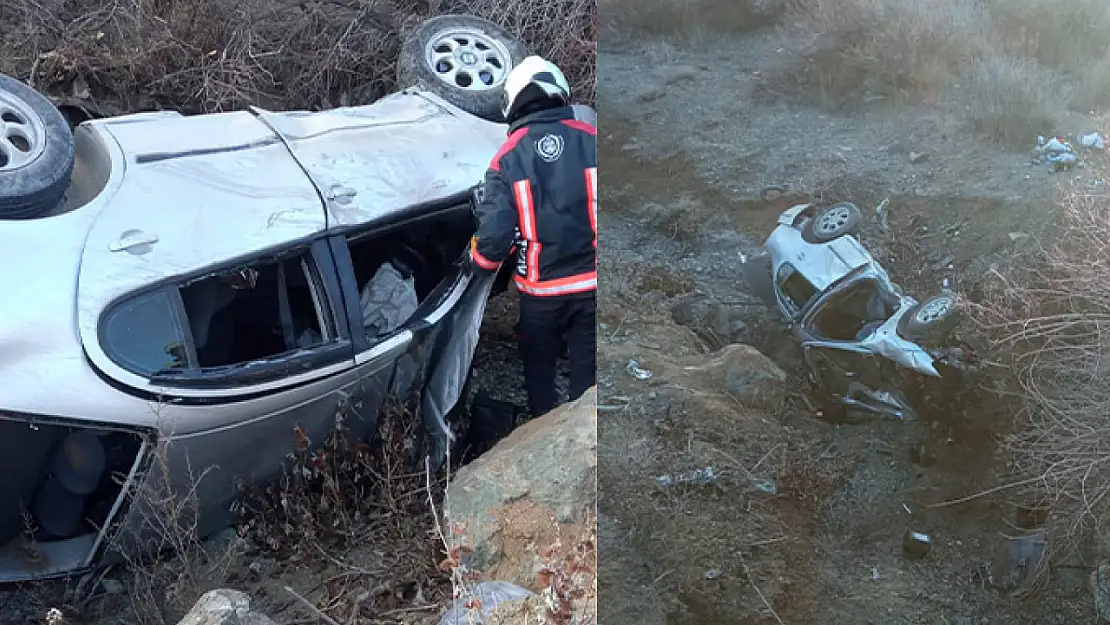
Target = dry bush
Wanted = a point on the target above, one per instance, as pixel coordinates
(212, 55)
(1013, 99)
(159, 593)
(1092, 91)
(340, 492)
(683, 20)
(1050, 323)
(1067, 35)
(893, 46)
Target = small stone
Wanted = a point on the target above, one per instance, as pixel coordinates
(652, 94)
(922, 455)
(916, 545)
(677, 74)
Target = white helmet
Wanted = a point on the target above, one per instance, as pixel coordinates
(534, 70)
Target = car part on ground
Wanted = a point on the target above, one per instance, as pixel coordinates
(869, 346)
(196, 297)
(463, 59)
(36, 152)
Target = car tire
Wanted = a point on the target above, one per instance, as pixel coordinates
(832, 222)
(932, 319)
(473, 89)
(33, 185)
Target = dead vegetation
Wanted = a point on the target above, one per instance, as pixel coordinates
(1049, 323)
(1016, 65)
(213, 55)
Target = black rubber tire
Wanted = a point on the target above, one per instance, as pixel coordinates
(849, 226)
(413, 69)
(915, 329)
(34, 190)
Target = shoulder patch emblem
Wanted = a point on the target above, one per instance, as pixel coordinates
(550, 147)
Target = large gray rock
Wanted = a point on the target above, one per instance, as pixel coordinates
(717, 323)
(746, 375)
(224, 607)
(536, 485)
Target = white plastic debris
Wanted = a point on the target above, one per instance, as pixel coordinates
(698, 477)
(466, 611)
(387, 300)
(637, 372)
(1055, 151)
(1092, 140)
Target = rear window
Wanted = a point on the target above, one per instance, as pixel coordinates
(145, 334)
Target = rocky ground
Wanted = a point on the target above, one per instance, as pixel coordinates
(805, 520)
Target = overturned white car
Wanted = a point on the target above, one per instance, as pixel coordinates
(194, 289)
(868, 345)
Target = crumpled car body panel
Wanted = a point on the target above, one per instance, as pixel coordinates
(827, 271)
(188, 198)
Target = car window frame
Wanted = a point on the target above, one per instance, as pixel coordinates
(430, 310)
(324, 285)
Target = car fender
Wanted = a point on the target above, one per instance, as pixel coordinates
(886, 342)
(790, 216)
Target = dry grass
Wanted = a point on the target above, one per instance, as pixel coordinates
(1050, 323)
(212, 55)
(1013, 99)
(1067, 36)
(888, 47)
(682, 21)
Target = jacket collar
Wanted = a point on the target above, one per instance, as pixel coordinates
(545, 116)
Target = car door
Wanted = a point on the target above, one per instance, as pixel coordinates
(423, 363)
(230, 416)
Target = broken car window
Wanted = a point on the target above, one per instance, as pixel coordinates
(250, 313)
(146, 334)
(853, 313)
(398, 271)
(795, 287)
(255, 312)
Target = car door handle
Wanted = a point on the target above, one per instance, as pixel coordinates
(132, 239)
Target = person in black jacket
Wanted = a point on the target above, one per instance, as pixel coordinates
(539, 203)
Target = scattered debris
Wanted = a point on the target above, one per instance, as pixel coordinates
(1056, 152)
(765, 486)
(475, 608)
(1018, 561)
(916, 545)
(917, 157)
(1018, 236)
(697, 477)
(1092, 140)
(637, 372)
(713, 573)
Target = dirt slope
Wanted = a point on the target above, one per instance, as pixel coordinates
(689, 140)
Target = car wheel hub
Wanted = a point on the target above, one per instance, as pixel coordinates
(833, 220)
(22, 133)
(468, 59)
(933, 311)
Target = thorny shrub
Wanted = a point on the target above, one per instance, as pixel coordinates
(213, 55)
(338, 491)
(1049, 323)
